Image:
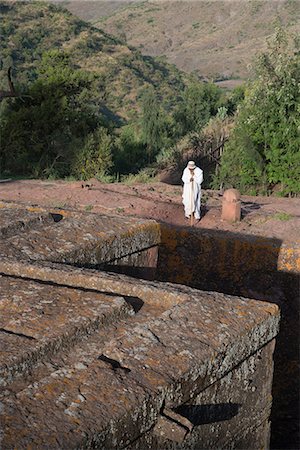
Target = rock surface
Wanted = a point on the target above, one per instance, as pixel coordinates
(93, 359)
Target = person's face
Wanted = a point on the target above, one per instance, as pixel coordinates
(192, 171)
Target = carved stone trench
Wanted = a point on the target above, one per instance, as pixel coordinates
(254, 267)
(249, 266)
(126, 333)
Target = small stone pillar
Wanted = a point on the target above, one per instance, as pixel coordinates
(231, 205)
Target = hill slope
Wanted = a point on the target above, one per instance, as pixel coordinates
(121, 72)
(217, 39)
(93, 10)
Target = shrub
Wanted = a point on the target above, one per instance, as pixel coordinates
(95, 158)
(264, 148)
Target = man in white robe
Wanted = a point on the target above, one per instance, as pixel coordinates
(192, 178)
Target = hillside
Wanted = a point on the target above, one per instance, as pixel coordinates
(91, 10)
(217, 39)
(120, 73)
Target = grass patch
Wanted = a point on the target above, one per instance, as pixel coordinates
(103, 178)
(146, 175)
(282, 216)
(70, 178)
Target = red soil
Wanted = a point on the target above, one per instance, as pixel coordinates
(265, 216)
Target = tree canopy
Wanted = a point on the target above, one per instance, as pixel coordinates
(40, 130)
(264, 149)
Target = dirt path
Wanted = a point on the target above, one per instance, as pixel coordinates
(266, 216)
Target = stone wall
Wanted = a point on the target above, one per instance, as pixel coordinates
(226, 261)
(221, 417)
(254, 267)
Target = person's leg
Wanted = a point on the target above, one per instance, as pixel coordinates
(187, 212)
(186, 201)
(198, 205)
(187, 207)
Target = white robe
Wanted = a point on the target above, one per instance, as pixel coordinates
(191, 197)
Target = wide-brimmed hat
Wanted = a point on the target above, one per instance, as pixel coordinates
(191, 165)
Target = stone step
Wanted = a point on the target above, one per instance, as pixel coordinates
(37, 320)
(155, 293)
(83, 239)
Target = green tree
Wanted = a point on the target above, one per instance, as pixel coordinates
(129, 151)
(40, 130)
(264, 147)
(233, 99)
(95, 158)
(152, 123)
(200, 102)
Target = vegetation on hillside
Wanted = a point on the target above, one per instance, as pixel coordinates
(92, 106)
(264, 149)
(40, 130)
(89, 106)
(29, 29)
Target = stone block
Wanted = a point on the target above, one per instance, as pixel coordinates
(231, 211)
(264, 268)
(78, 238)
(100, 360)
(112, 387)
(231, 206)
(240, 423)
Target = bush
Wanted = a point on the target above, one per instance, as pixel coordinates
(264, 149)
(146, 175)
(129, 152)
(95, 158)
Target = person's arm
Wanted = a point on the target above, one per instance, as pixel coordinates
(186, 176)
(198, 175)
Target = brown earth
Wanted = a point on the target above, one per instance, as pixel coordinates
(264, 216)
